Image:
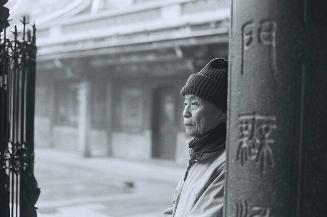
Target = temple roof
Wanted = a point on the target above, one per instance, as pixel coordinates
(43, 12)
(69, 28)
(46, 11)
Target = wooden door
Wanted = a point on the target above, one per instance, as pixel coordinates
(164, 124)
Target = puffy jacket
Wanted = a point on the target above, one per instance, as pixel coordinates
(201, 194)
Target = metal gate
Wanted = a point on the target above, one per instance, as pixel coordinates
(18, 187)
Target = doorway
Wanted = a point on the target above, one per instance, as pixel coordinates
(164, 124)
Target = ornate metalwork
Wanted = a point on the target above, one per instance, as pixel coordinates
(14, 158)
(18, 188)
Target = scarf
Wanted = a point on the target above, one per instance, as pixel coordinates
(206, 145)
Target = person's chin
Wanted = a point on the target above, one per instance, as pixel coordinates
(190, 132)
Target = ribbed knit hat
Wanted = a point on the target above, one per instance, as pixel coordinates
(210, 83)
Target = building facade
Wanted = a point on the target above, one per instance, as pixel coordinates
(108, 79)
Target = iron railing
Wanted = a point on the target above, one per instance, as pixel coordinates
(18, 187)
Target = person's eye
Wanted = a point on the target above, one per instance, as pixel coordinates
(195, 105)
(185, 103)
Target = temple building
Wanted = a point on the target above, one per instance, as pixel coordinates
(109, 74)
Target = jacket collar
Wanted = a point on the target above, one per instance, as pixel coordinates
(208, 144)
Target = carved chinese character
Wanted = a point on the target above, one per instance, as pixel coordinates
(255, 140)
(248, 35)
(265, 154)
(260, 212)
(267, 36)
(264, 34)
(246, 135)
(244, 210)
(247, 39)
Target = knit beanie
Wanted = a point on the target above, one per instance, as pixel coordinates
(210, 83)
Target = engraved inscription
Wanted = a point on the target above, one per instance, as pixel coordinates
(248, 29)
(267, 36)
(247, 40)
(255, 140)
(244, 210)
(259, 211)
(264, 33)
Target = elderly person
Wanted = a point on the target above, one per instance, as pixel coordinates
(200, 192)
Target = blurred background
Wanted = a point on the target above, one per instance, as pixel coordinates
(109, 134)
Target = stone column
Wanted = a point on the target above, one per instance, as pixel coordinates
(52, 112)
(277, 140)
(84, 118)
(109, 119)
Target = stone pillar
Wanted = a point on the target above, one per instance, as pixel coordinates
(52, 112)
(277, 140)
(109, 112)
(84, 118)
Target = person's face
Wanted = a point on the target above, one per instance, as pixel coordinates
(200, 116)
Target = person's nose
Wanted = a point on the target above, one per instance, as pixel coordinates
(186, 112)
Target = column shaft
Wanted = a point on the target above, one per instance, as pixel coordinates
(277, 118)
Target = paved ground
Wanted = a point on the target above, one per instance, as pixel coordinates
(72, 186)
